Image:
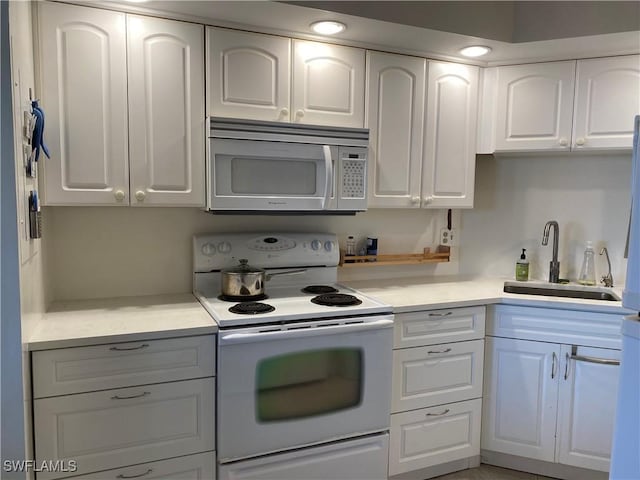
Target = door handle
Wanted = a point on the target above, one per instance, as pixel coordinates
(328, 169)
(554, 362)
(566, 366)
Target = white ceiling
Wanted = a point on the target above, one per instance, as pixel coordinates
(490, 21)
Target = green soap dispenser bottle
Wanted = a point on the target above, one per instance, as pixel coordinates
(522, 267)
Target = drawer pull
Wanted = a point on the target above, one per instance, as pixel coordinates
(126, 349)
(140, 395)
(446, 350)
(585, 358)
(440, 314)
(438, 414)
(136, 476)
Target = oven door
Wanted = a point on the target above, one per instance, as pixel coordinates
(262, 175)
(302, 384)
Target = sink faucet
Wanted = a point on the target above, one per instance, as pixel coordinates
(608, 278)
(554, 265)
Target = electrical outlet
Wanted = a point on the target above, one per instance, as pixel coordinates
(448, 237)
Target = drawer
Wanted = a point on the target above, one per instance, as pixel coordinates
(431, 327)
(431, 436)
(427, 376)
(102, 367)
(113, 428)
(557, 326)
(190, 467)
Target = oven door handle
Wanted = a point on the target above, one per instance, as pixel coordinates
(328, 170)
(304, 332)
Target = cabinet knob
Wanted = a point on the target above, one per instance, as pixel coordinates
(415, 200)
(564, 142)
(580, 141)
(284, 112)
(119, 194)
(140, 195)
(427, 200)
(300, 113)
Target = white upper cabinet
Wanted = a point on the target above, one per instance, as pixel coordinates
(534, 106)
(328, 84)
(166, 111)
(249, 75)
(606, 102)
(395, 113)
(450, 136)
(124, 97)
(83, 91)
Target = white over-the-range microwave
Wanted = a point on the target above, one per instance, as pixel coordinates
(272, 167)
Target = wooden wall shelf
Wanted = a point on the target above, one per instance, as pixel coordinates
(442, 255)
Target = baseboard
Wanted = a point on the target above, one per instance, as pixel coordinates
(438, 470)
(548, 469)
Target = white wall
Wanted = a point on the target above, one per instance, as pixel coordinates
(112, 251)
(589, 196)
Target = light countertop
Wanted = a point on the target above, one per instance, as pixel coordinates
(99, 321)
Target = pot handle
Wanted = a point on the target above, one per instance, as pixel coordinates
(290, 272)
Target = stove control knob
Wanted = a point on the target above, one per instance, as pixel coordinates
(208, 249)
(224, 247)
(316, 245)
(328, 246)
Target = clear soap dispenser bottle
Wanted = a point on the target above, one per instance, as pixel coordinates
(588, 270)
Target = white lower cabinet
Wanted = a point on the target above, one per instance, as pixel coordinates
(553, 402)
(436, 398)
(127, 410)
(431, 436)
(359, 459)
(190, 467)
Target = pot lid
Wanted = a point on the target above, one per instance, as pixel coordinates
(244, 267)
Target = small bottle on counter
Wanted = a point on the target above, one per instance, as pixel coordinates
(588, 270)
(522, 267)
(350, 247)
(372, 247)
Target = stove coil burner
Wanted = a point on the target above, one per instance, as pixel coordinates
(318, 289)
(251, 308)
(243, 298)
(336, 300)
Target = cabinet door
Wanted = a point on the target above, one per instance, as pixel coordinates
(83, 92)
(450, 139)
(328, 84)
(395, 101)
(520, 397)
(535, 106)
(427, 376)
(249, 75)
(586, 406)
(166, 111)
(607, 100)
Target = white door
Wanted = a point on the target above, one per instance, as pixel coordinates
(607, 100)
(83, 76)
(395, 101)
(166, 112)
(358, 459)
(586, 407)
(450, 139)
(328, 84)
(535, 106)
(249, 75)
(520, 397)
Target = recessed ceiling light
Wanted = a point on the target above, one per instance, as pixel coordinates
(475, 51)
(328, 27)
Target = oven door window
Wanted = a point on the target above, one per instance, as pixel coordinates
(308, 383)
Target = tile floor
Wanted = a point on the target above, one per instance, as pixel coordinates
(488, 472)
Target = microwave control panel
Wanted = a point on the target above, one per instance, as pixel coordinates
(354, 174)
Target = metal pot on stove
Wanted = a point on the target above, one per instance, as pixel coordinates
(247, 282)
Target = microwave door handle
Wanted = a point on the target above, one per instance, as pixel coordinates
(328, 168)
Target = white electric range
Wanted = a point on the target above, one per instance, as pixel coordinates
(297, 379)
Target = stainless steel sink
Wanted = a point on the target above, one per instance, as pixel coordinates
(567, 291)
